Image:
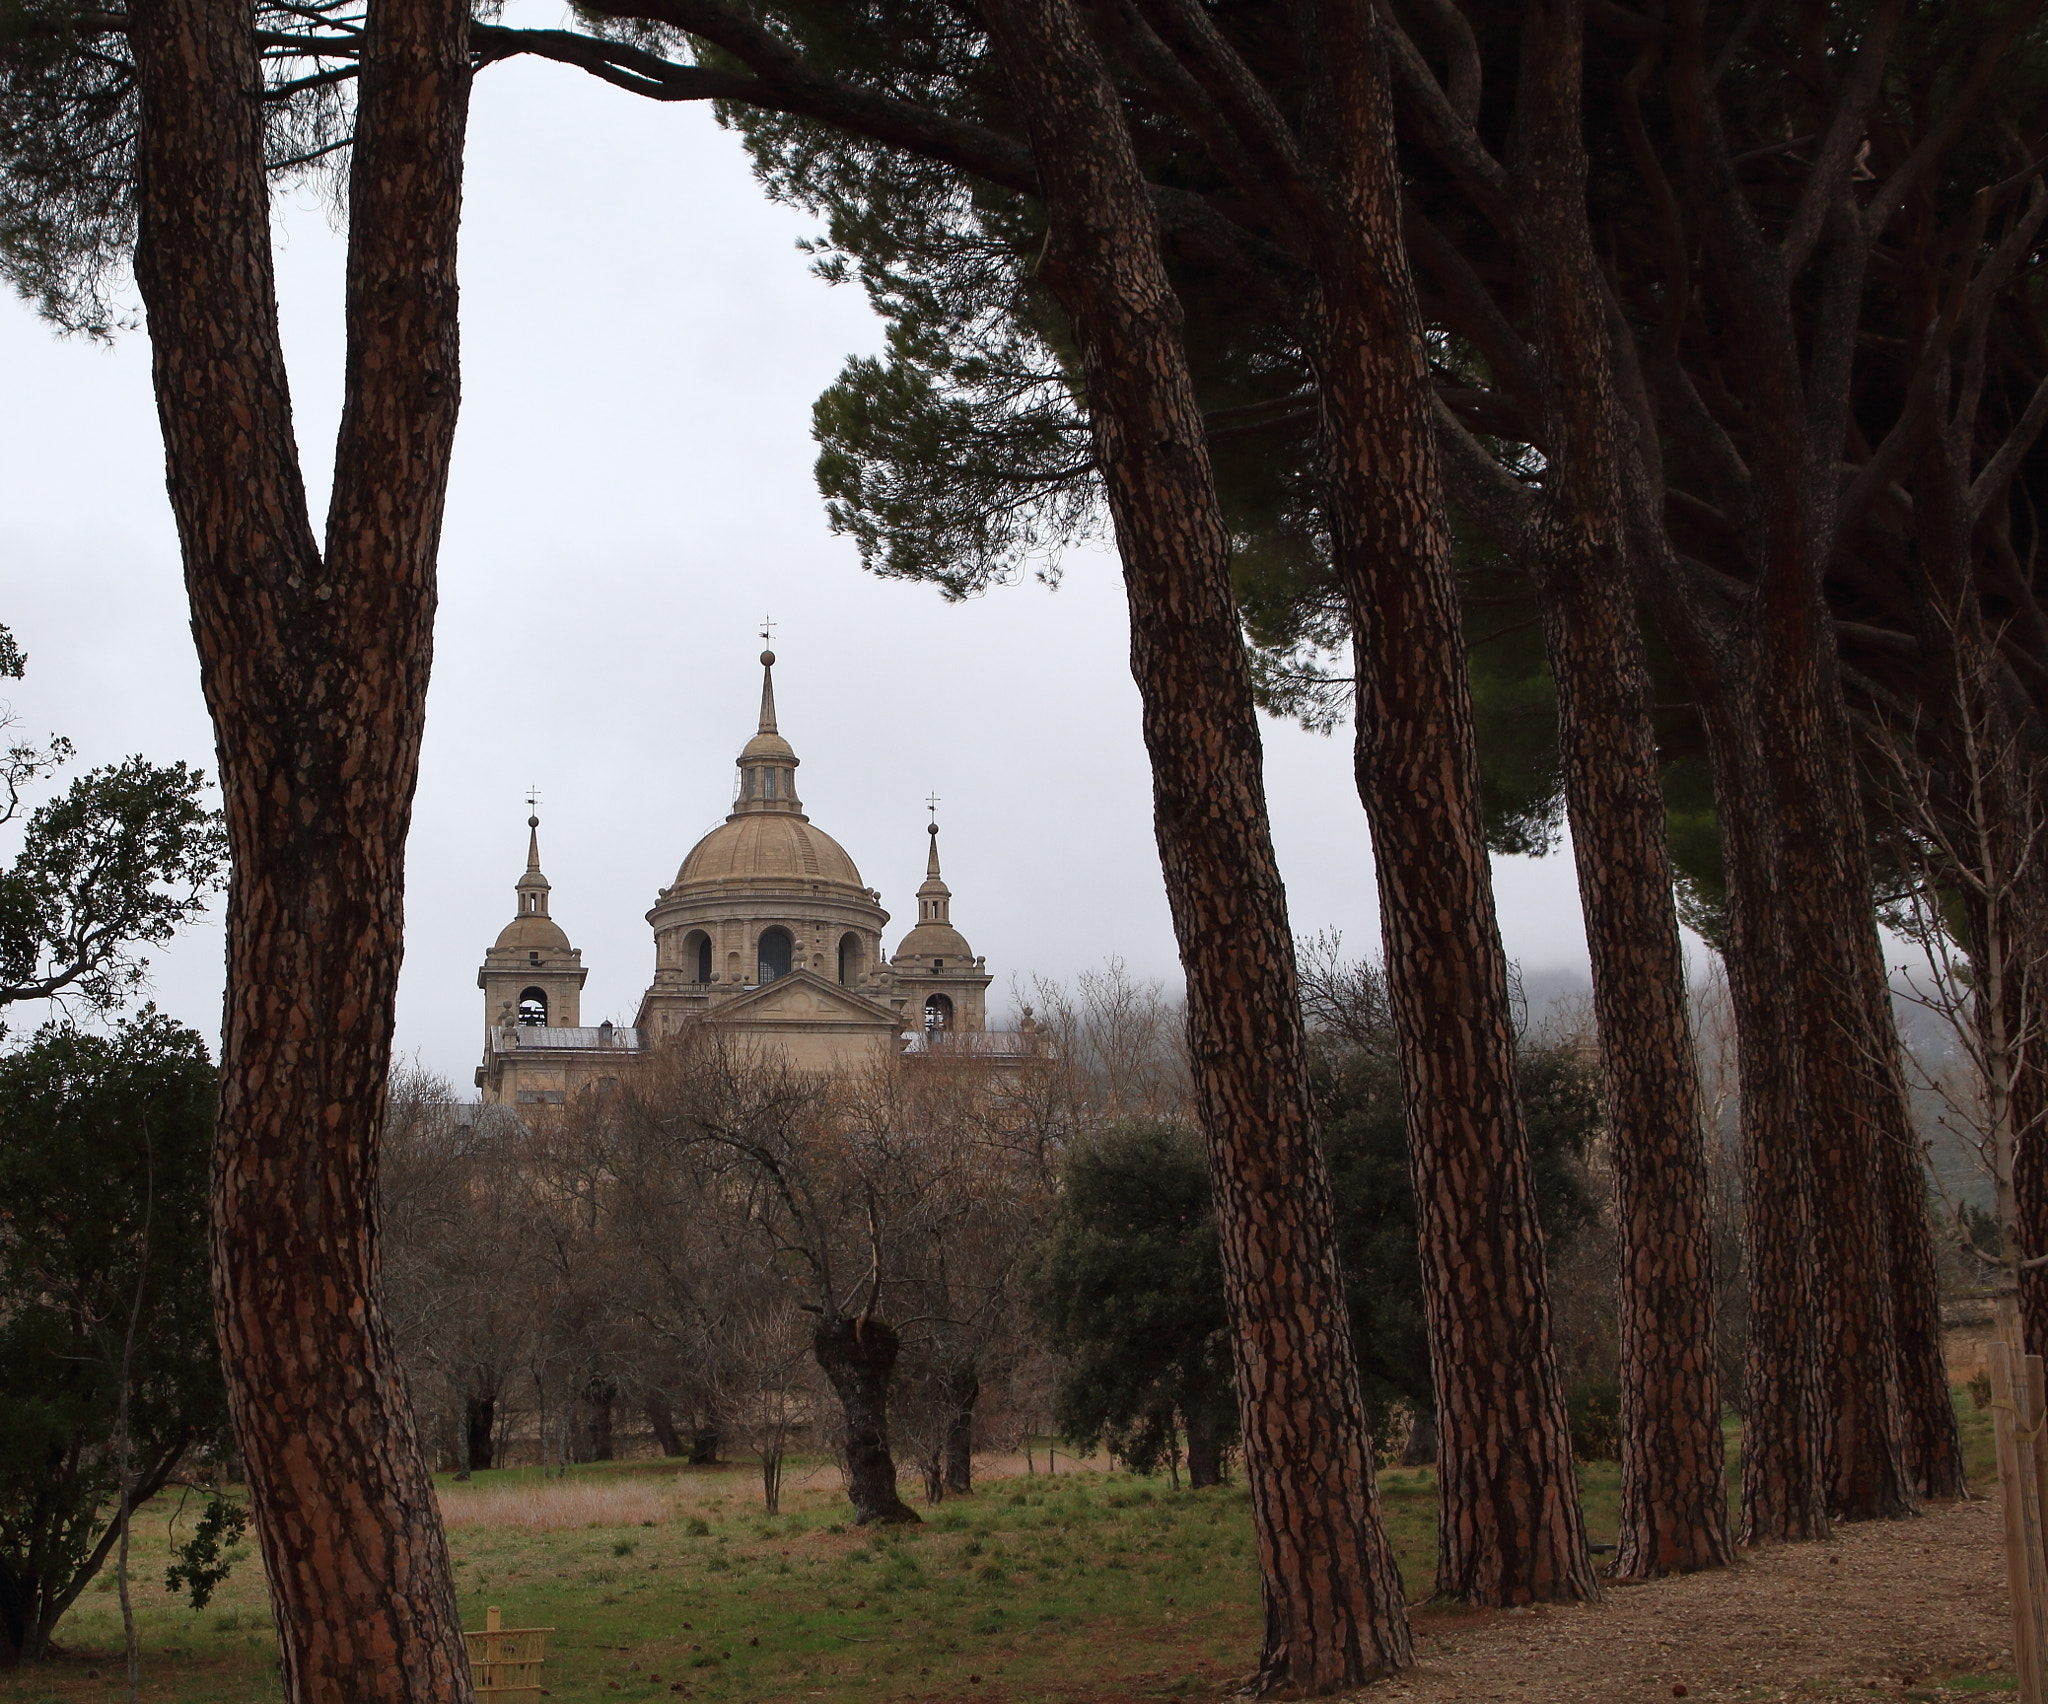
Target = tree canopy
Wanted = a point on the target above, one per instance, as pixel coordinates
(104, 1142)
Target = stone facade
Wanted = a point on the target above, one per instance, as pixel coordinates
(767, 930)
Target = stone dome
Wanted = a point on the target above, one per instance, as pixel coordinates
(935, 940)
(532, 931)
(772, 846)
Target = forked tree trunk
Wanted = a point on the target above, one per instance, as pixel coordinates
(1334, 1612)
(1510, 1529)
(661, 1421)
(315, 668)
(858, 1356)
(1674, 1506)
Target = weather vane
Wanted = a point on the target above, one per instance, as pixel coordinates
(932, 804)
(767, 631)
(533, 801)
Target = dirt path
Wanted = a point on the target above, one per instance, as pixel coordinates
(1886, 1607)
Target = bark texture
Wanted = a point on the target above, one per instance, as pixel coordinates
(1333, 1603)
(314, 666)
(1511, 1530)
(1673, 1502)
(858, 1356)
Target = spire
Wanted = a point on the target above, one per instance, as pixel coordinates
(767, 777)
(931, 863)
(767, 693)
(532, 888)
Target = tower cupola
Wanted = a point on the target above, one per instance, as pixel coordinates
(767, 764)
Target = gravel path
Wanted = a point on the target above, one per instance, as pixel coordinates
(1886, 1607)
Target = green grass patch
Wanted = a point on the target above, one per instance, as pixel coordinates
(664, 1582)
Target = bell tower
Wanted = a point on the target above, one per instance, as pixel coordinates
(532, 978)
(946, 985)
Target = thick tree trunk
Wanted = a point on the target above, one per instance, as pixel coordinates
(661, 1421)
(705, 1442)
(1674, 1506)
(479, 1419)
(1825, 889)
(858, 1356)
(2030, 1095)
(315, 670)
(1784, 1493)
(1511, 1530)
(963, 1391)
(1334, 1612)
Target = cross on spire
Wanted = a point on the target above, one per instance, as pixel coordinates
(767, 631)
(932, 805)
(533, 801)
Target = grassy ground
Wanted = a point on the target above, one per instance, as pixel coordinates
(665, 1581)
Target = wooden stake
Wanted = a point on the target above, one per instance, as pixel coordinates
(2026, 1563)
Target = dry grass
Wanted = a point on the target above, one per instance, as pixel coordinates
(559, 1504)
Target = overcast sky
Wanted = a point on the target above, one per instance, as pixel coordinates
(632, 491)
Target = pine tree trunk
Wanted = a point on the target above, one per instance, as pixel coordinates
(1784, 1493)
(1674, 1505)
(1511, 1530)
(1825, 889)
(315, 670)
(1934, 1445)
(2030, 1097)
(858, 1356)
(1334, 1612)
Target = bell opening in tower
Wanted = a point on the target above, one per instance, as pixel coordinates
(533, 1008)
(777, 951)
(697, 955)
(938, 1013)
(849, 960)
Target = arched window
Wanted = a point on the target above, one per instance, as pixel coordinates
(697, 955)
(849, 959)
(533, 1007)
(776, 951)
(938, 1013)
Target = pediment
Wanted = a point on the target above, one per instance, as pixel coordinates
(803, 996)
